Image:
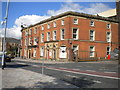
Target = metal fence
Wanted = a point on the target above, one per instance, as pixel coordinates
(85, 56)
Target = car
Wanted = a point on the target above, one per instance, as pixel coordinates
(114, 53)
(7, 58)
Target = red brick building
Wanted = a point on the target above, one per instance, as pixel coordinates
(70, 35)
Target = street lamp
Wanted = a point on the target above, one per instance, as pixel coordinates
(4, 41)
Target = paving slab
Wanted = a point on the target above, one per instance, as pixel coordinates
(20, 78)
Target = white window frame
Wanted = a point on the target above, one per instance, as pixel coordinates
(42, 51)
(35, 30)
(75, 49)
(42, 27)
(30, 41)
(54, 35)
(30, 31)
(93, 35)
(92, 51)
(54, 24)
(35, 40)
(62, 22)
(34, 53)
(48, 26)
(74, 34)
(92, 23)
(48, 36)
(26, 32)
(108, 26)
(108, 37)
(108, 51)
(42, 37)
(62, 34)
(75, 21)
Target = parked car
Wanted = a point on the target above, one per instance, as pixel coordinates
(114, 53)
(7, 58)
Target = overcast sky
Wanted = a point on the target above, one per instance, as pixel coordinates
(33, 12)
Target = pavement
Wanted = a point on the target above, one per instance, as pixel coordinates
(20, 78)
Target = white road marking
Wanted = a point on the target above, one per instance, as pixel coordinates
(110, 72)
(96, 81)
(91, 70)
(72, 76)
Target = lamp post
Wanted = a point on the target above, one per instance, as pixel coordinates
(4, 40)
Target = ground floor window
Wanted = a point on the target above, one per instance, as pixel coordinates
(108, 50)
(92, 51)
(34, 53)
(63, 53)
(42, 51)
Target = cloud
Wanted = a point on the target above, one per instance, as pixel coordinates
(70, 6)
(15, 31)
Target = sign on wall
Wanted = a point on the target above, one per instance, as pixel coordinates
(63, 53)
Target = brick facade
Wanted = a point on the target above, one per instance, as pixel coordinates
(74, 36)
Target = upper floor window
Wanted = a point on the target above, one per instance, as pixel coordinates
(108, 26)
(48, 36)
(54, 24)
(108, 36)
(75, 33)
(30, 31)
(26, 33)
(30, 41)
(48, 26)
(35, 41)
(42, 27)
(75, 21)
(54, 35)
(35, 30)
(62, 22)
(62, 34)
(92, 35)
(42, 37)
(91, 23)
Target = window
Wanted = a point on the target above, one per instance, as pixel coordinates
(34, 54)
(35, 41)
(75, 33)
(30, 31)
(42, 51)
(48, 26)
(35, 30)
(42, 27)
(91, 23)
(26, 33)
(26, 41)
(75, 21)
(42, 37)
(92, 51)
(54, 24)
(30, 41)
(75, 48)
(54, 35)
(48, 36)
(108, 50)
(108, 26)
(62, 22)
(62, 34)
(92, 35)
(108, 36)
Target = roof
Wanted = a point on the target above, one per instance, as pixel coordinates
(74, 14)
(108, 13)
(12, 40)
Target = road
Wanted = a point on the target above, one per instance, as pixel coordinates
(81, 74)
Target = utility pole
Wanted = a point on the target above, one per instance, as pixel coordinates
(4, 40)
